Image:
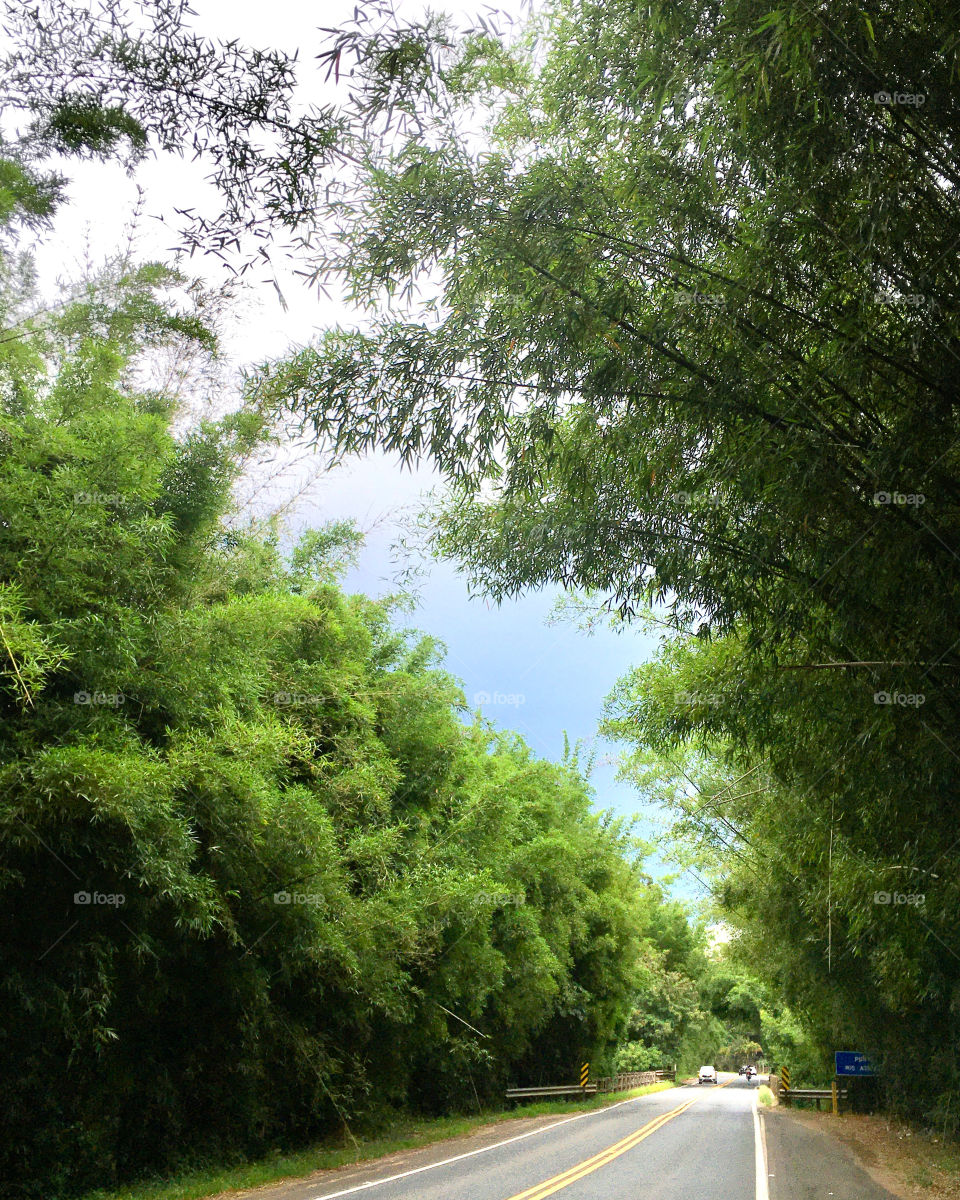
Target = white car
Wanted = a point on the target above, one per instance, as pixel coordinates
(707, 1075)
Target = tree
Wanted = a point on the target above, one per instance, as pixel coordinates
(94, 82)
(684, 329)
(260, 877)
(801, 821)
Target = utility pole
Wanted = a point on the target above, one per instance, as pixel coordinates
(830, 896)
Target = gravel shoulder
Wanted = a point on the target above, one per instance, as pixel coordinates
(897, 1161)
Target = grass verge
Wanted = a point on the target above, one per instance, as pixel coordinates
(765, 1096)
(408, 1133)
(934, 1166)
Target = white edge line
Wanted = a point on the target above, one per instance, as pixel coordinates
(760, 1151)
(483, 1150)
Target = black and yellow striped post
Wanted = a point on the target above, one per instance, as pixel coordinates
(785, 1083)
(584, 1074)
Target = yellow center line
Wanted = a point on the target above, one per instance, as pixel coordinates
(547, 1188)
(572, 1174)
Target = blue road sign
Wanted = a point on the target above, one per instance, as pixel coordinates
(852, 1062)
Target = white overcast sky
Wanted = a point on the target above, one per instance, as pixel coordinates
(102, 201)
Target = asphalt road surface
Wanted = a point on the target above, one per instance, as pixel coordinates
(697, 1142)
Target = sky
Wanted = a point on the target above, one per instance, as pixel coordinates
(542, 680)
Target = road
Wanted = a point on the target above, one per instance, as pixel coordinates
(696, 1142)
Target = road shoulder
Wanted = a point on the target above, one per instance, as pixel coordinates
(807, 1156)
(909, 1164)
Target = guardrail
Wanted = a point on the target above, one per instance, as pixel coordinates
(631, 1079)
(833, 1094)
(588, 1089)
(607, 1083)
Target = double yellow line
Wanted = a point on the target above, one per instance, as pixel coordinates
(565, 1178)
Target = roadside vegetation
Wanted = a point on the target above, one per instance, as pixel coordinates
(681, 332)
(264, 872)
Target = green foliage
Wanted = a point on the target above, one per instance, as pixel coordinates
(96, 82)
(695, 1003)
(635, 1056)
(788, 1043)
(25, 196)
(686, 331)
(789, 794)
(80, 124)
(259, 877)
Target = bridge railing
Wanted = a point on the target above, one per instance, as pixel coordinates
(607, 1083)
(627, 1080)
